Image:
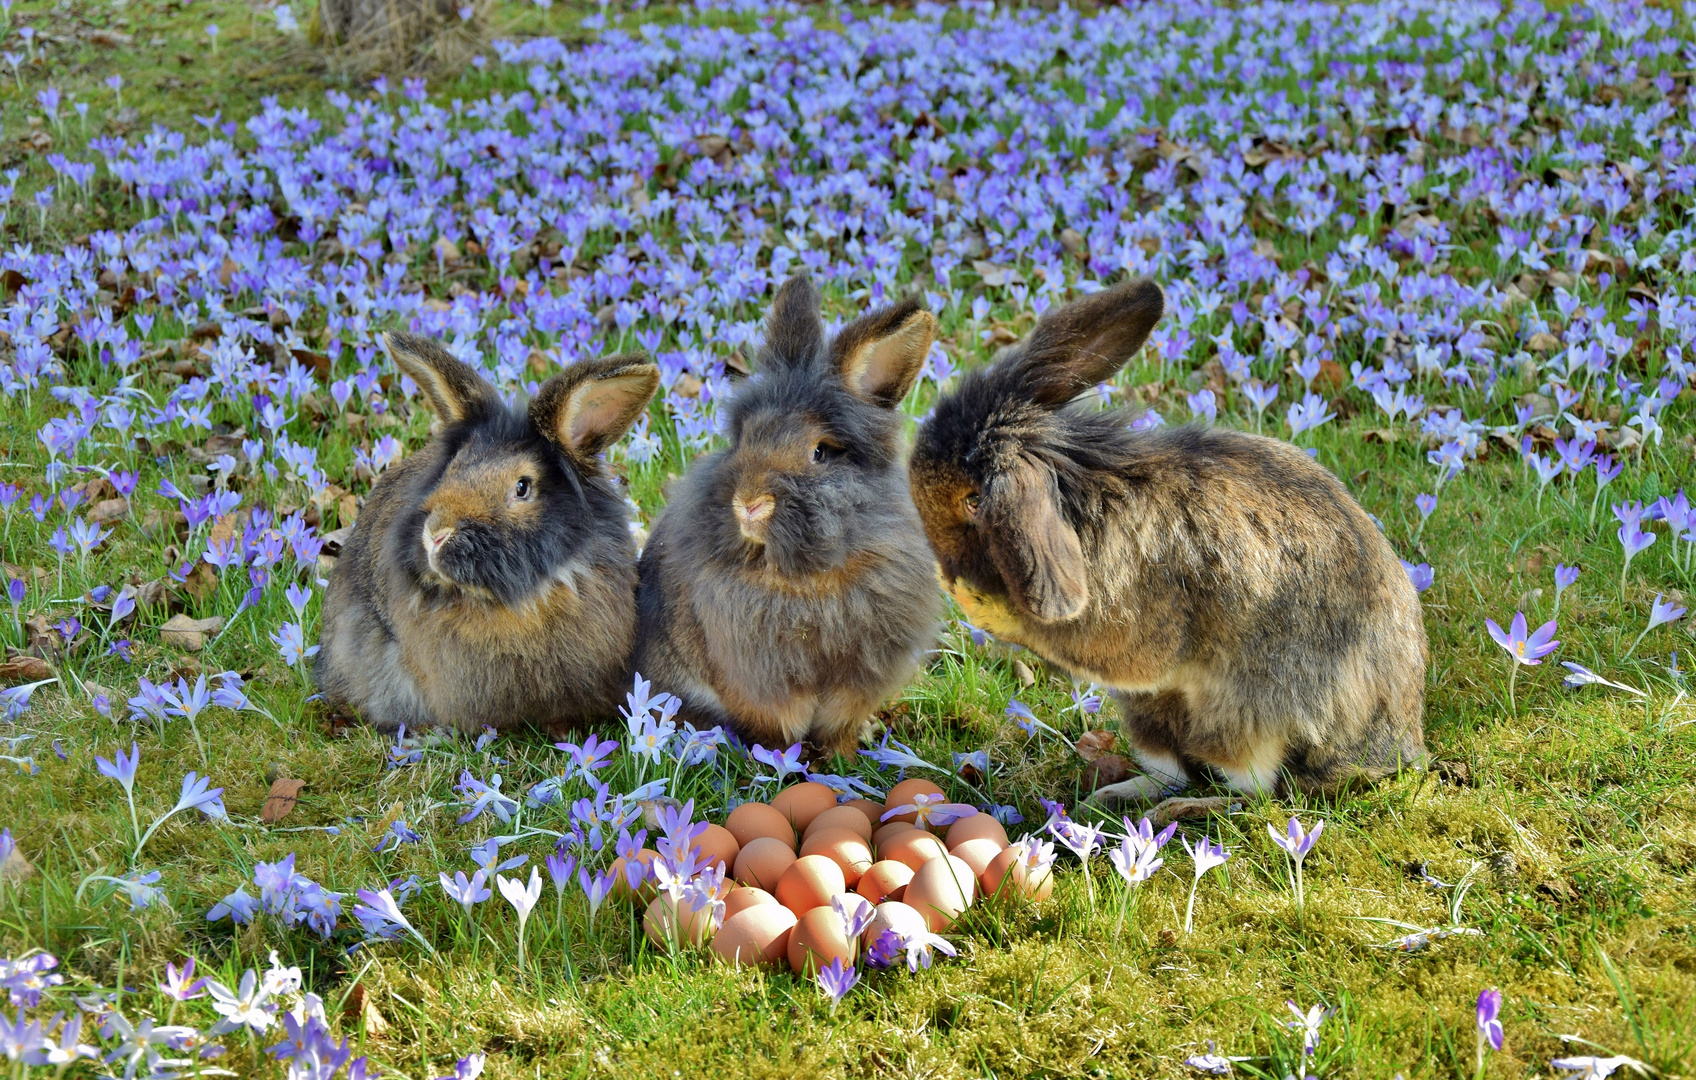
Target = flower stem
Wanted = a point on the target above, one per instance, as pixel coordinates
(1513, 673)
(148, 835)
(1189, 912)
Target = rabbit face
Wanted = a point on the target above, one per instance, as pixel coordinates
(815, 439)
(488, 526)
(791, 483)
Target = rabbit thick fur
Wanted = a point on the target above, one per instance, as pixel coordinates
(1251, 620)
(491, 579)
(786, 591)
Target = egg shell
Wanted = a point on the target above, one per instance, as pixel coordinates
(884, 880)
(846, 849)
(817, 940)
(666, 919)
(1033, 887)
(717, 847)
(976, 827)
(743, 897)
(755, 935)
(872, 810)
(752, 820)
(881, 835)
(810, 881)
(621, 881)
(840, 817)
(915, 848)
(978, 854)
(894, 915)
(940, 890)
(801, 803)
(762, 862)
(902, 795)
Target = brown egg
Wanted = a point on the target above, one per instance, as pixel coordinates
(884, 880)
(755, 935)
(940, 890)
(717, 847)
(1033, 886)
(881, 835)
(975, 827)
(841, 817)
(752, 820)
(621, 881)
(817, 940)
(846, 849)
(668, 920)
(902, 795)
(914, 847)
(872, 810)
(801, 803)
(894, 915)
(812, 880)
(978, 854)
(762, 862)
(743, 897)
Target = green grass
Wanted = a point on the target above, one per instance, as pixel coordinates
(1576, 812)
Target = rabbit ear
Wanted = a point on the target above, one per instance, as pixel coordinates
(794, 334)
(456, 392)
(879, 355)
(591, 404)
(1086, 342)
(1030, 542)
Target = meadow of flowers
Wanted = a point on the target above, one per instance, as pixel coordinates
(1445, 246)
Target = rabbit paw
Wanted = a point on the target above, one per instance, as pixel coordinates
(1136, 789)
(1175, 808)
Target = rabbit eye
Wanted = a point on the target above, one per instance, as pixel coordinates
(522, 489)
(823, 452)
(972, 502)
(818, 453)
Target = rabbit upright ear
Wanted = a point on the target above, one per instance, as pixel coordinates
(1033, 546)
(879, 355)
(794, 334)
(456, 392)
(1086, 342)
(590, 405)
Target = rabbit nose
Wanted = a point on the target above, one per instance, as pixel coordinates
(437, 537)
(753, 513)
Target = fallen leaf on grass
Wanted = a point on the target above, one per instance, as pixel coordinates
(25, 669)
(1104, 770)
(186, 633)
(1093, 744)
(283, 795)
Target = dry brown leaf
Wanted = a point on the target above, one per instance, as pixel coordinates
(1023, 673)
(1104, 770)
(1093, 744)
(283, 795)
(15, 869)
(106, 511)
(25, 669)
(186, 633)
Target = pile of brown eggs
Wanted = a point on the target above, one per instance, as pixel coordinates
(780, 905)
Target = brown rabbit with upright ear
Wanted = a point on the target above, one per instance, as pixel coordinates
(492, 577)
(1251, 620)
(787, 591)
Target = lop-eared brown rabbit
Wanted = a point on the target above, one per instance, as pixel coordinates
(492, 577)
(787, 590)
(1247, 615)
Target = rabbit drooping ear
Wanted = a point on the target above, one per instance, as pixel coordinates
(879, 355)
(1084, 343)
(456, 392)
(1032, 545)
(794, 334)
(591, 404)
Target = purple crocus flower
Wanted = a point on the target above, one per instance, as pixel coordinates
(836, 979)
(1521, 646)
(1489, 1023)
